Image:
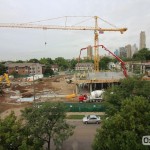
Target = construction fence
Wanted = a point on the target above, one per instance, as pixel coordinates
(85, 107)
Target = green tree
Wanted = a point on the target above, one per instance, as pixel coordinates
(143, 55)
(46, 61)
(125, 129)
(46, 123)
(104, 63)
(86, 61)
(48, 71)
(72, 63)
(15, 74)
(62, 63)
(9, 132)
(14, 135)
(19, 61)
(2, 69)
(128, 112)
(34, 60)
(128, 88)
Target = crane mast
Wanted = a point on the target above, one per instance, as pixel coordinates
(96, 49)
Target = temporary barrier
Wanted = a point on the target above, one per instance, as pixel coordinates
(85, 107)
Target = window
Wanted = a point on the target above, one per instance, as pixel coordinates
(16, 68)
(26, 67)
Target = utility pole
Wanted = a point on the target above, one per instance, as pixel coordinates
(33, 83)
(33, 88)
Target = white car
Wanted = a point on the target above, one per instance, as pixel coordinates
(91, 119)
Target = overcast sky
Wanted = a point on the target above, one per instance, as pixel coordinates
(24, 44)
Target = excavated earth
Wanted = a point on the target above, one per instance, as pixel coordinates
(57, 85)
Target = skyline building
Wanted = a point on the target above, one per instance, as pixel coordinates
(123, 52)
(128, 51)
(134, 49)
(89, 52)
(116, 52)
(142, 40)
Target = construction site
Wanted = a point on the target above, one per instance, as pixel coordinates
(16, 91)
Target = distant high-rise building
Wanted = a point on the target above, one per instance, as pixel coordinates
(134, 49)
(128, 51)
(116, 52)
(89, 52)
(123, 52)
(142, 40)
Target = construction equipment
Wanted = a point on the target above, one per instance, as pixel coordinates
(71, 96)
(5, 78)
(95, 96)
(120, 60)
(96, 30)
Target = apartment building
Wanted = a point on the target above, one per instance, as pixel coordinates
(25, 68)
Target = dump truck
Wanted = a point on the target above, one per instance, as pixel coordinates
(95, 96)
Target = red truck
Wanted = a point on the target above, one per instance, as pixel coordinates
(83, 98)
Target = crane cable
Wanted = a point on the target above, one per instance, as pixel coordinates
(108, 22)
(81, 22)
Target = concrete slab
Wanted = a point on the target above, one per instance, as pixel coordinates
(105, 75)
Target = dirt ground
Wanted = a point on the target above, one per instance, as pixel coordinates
(57, 85)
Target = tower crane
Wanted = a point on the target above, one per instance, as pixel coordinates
(96, 30)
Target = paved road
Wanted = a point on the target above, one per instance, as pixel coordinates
(82, 138)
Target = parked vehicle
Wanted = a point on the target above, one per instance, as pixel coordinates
(95, 96)
(91, 119)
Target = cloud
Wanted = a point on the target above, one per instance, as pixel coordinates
(28, 43)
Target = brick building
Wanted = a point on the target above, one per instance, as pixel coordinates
(25, 68)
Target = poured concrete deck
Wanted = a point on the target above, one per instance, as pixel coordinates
(102, 77)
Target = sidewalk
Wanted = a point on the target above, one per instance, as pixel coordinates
(86, 113)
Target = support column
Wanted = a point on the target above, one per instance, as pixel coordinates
(132, 68)
(141, 68)
(77, 90)
(144, 70)
(102, 85)
(90, 87)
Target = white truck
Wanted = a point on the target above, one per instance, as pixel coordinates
(95, 96)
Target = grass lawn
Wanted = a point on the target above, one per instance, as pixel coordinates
(75, 116)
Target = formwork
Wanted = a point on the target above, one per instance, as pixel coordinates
(97, 81)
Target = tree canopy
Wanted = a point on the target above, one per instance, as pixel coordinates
(62, 63)
(46, 61)
(40, 125)
(34, 60)
(128, 116)
(128, 88)
(11, 133)
(143, 54)
(2, 69)
(125, 129)
(48, 71)
(104, 62)
(46, 123)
